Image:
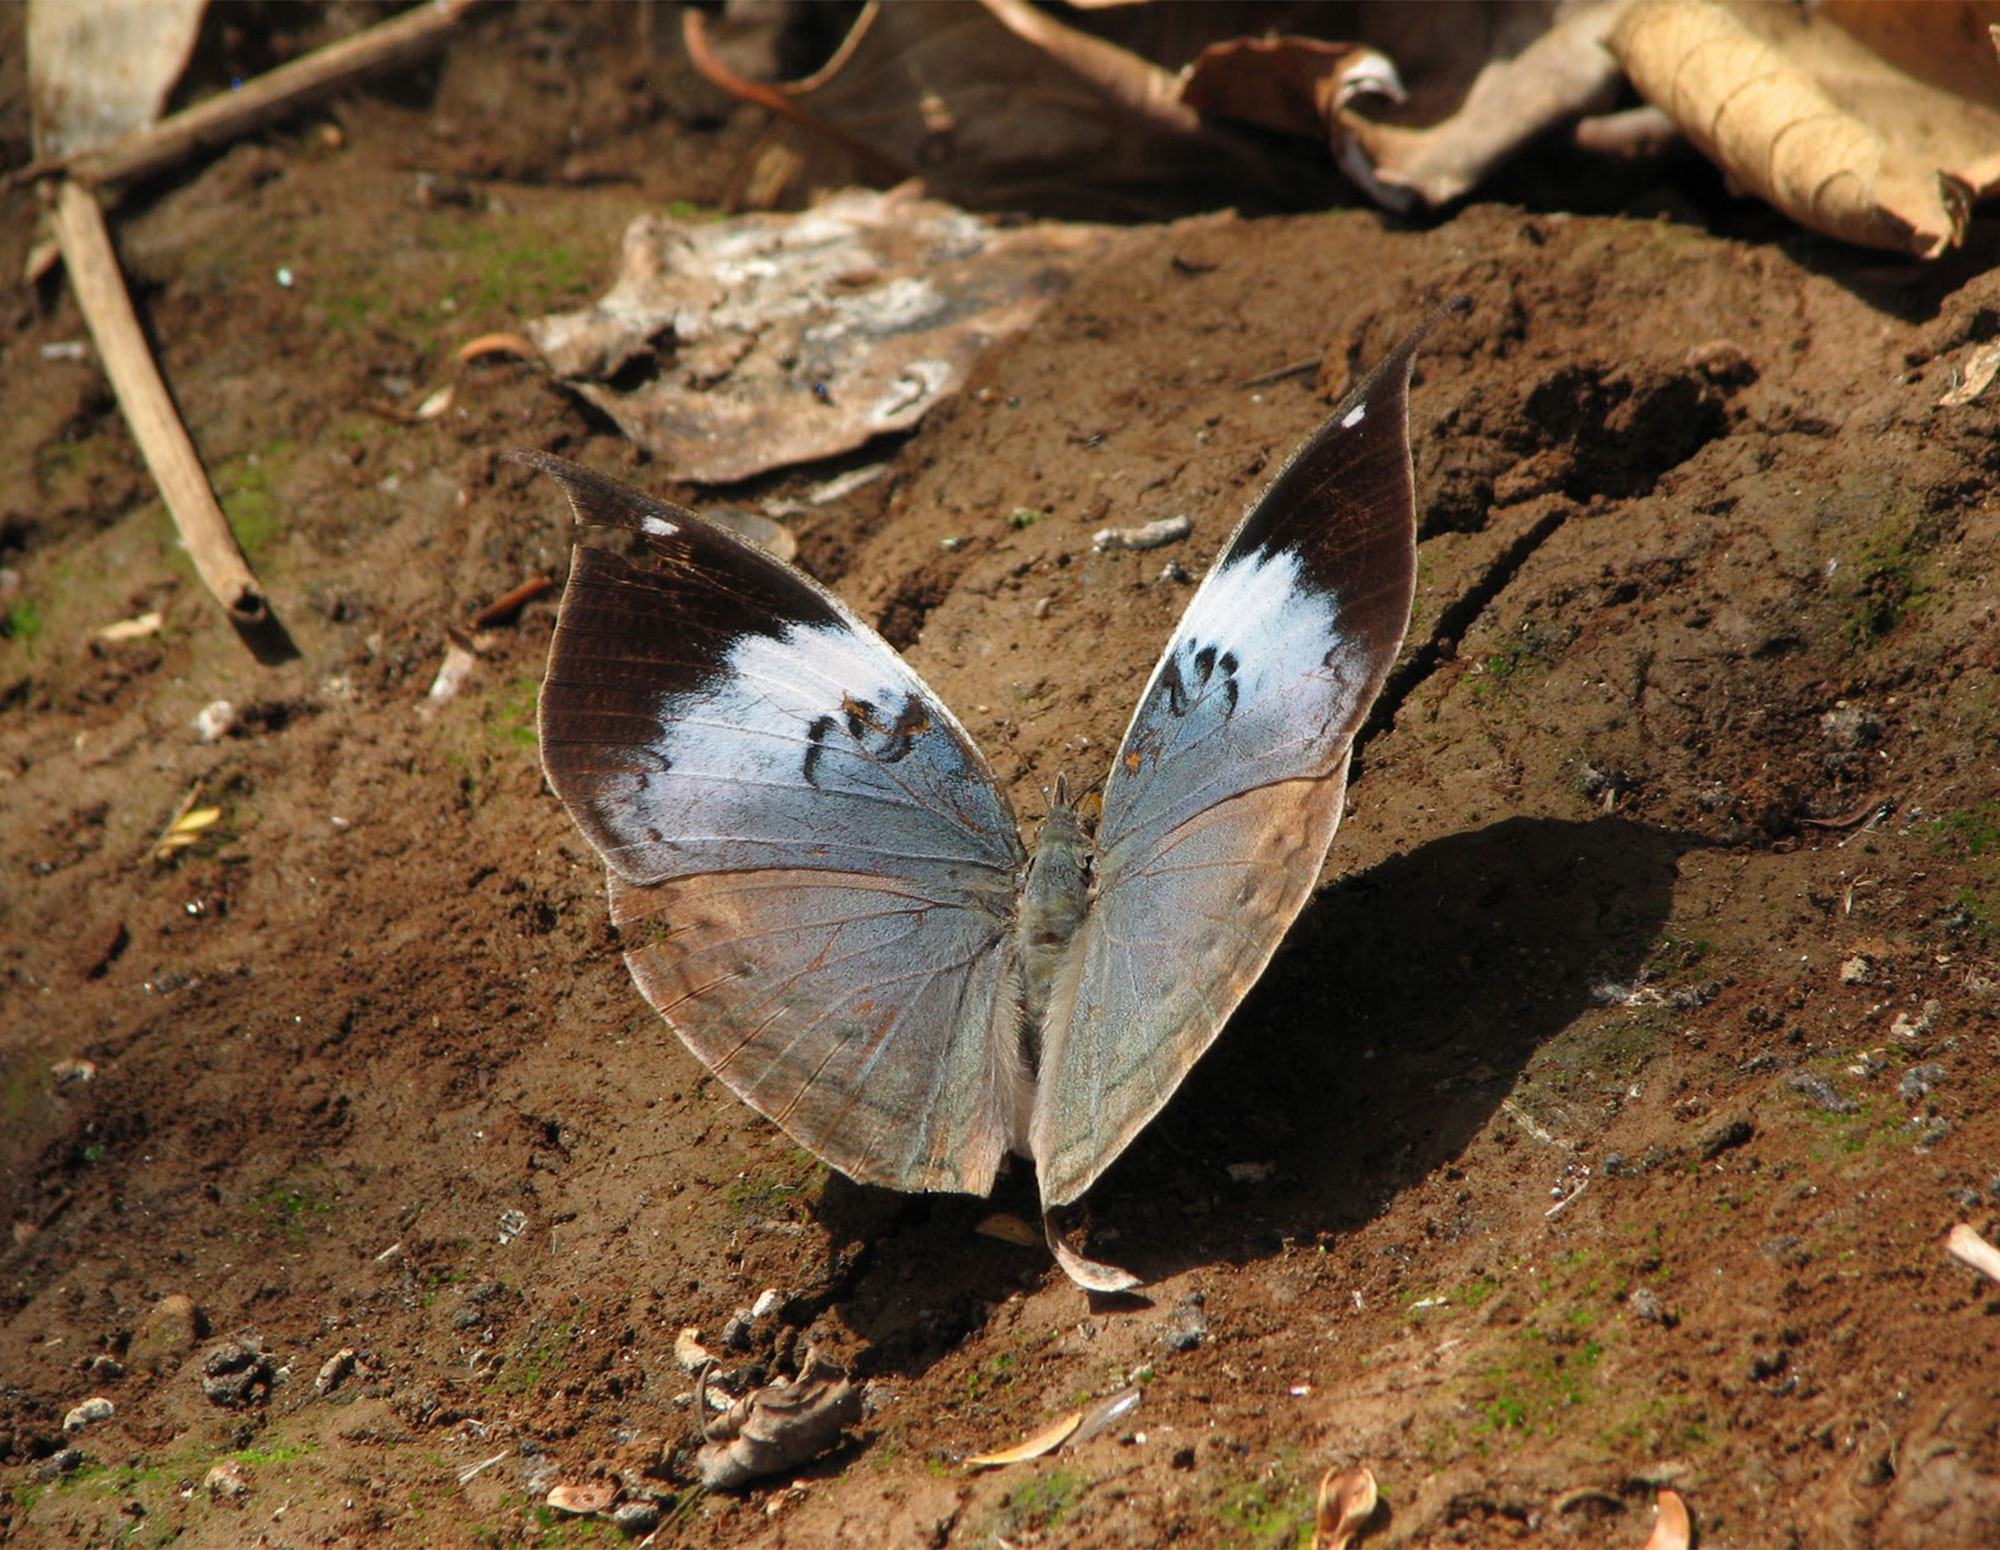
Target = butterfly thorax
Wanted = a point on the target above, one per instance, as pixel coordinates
(1055, 896)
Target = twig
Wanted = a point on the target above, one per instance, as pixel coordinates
(508, 604)
(1973, 1251)
(162, 439)
(223, 118)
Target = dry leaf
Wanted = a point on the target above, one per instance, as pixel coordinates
(776, 1427)
(1347, 1500)
(1672, 1528)
(97, 68)
(1801, 114)
(186, 826)
(1047, 1440)
(1973, 1251)
(1090, 1274)
(770, 340)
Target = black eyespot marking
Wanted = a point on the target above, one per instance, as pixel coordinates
(884, 742)
(816, 736)
(1176, 690)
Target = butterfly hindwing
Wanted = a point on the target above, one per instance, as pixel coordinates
(1225, 794)
(815, 860)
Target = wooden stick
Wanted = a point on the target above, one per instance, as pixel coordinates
(223, 118)
(156, 426)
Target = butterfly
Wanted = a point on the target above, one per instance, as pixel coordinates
(824, 891)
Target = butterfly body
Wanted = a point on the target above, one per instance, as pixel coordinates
(826, 893)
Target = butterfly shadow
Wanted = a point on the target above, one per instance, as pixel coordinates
(1404, 1008)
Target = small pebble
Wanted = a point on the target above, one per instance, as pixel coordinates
(89, 1412)
(1919, 1080)
(1822, 1092)
(59, 1463)
(106, 1369)
(1187, 1325)
(636, 1517)
(166, 1337)
(736, 1333)
(215, 721)
(235, 1373)
(227, 1481)
(333, 1369)
(1855, 970)
(768, 1302)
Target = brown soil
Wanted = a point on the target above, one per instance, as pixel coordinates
(1670, 893)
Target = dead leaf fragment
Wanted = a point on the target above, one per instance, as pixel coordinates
(1800, 113)
(776, 1427)
(187, 825)
(1974, 377)
(1973, 1251)
(770, 340)
(132, 629)
(581, 1501)
(1672, 1528)
(1008, 1228)
(1347, 1501)
(1047, 1440)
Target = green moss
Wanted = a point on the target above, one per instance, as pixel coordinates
(296, 1201)
(249, 500)
(1546, 1374)
(1041, 1502)
(511, 713)
(1970, 833)
(1275, 1508)
(22, 623)
(1526, 656)
(1881, 583)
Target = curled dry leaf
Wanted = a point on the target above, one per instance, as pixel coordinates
(1347, 1501)
(1672, 1528)
(1002, 106)
(1478, 94)
(1973, 1251)
(776, 1427)
(1047, 1440)
(1799, 112)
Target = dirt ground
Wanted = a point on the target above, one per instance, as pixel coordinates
(1597, 1130)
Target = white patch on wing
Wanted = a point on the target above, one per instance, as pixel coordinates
(1254, 607)
(770, 693)
(1354, 417)
(659, 527)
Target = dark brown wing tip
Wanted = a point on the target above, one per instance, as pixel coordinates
(597, 499)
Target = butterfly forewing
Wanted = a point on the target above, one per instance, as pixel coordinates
(820, 857)
(1226, 791)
